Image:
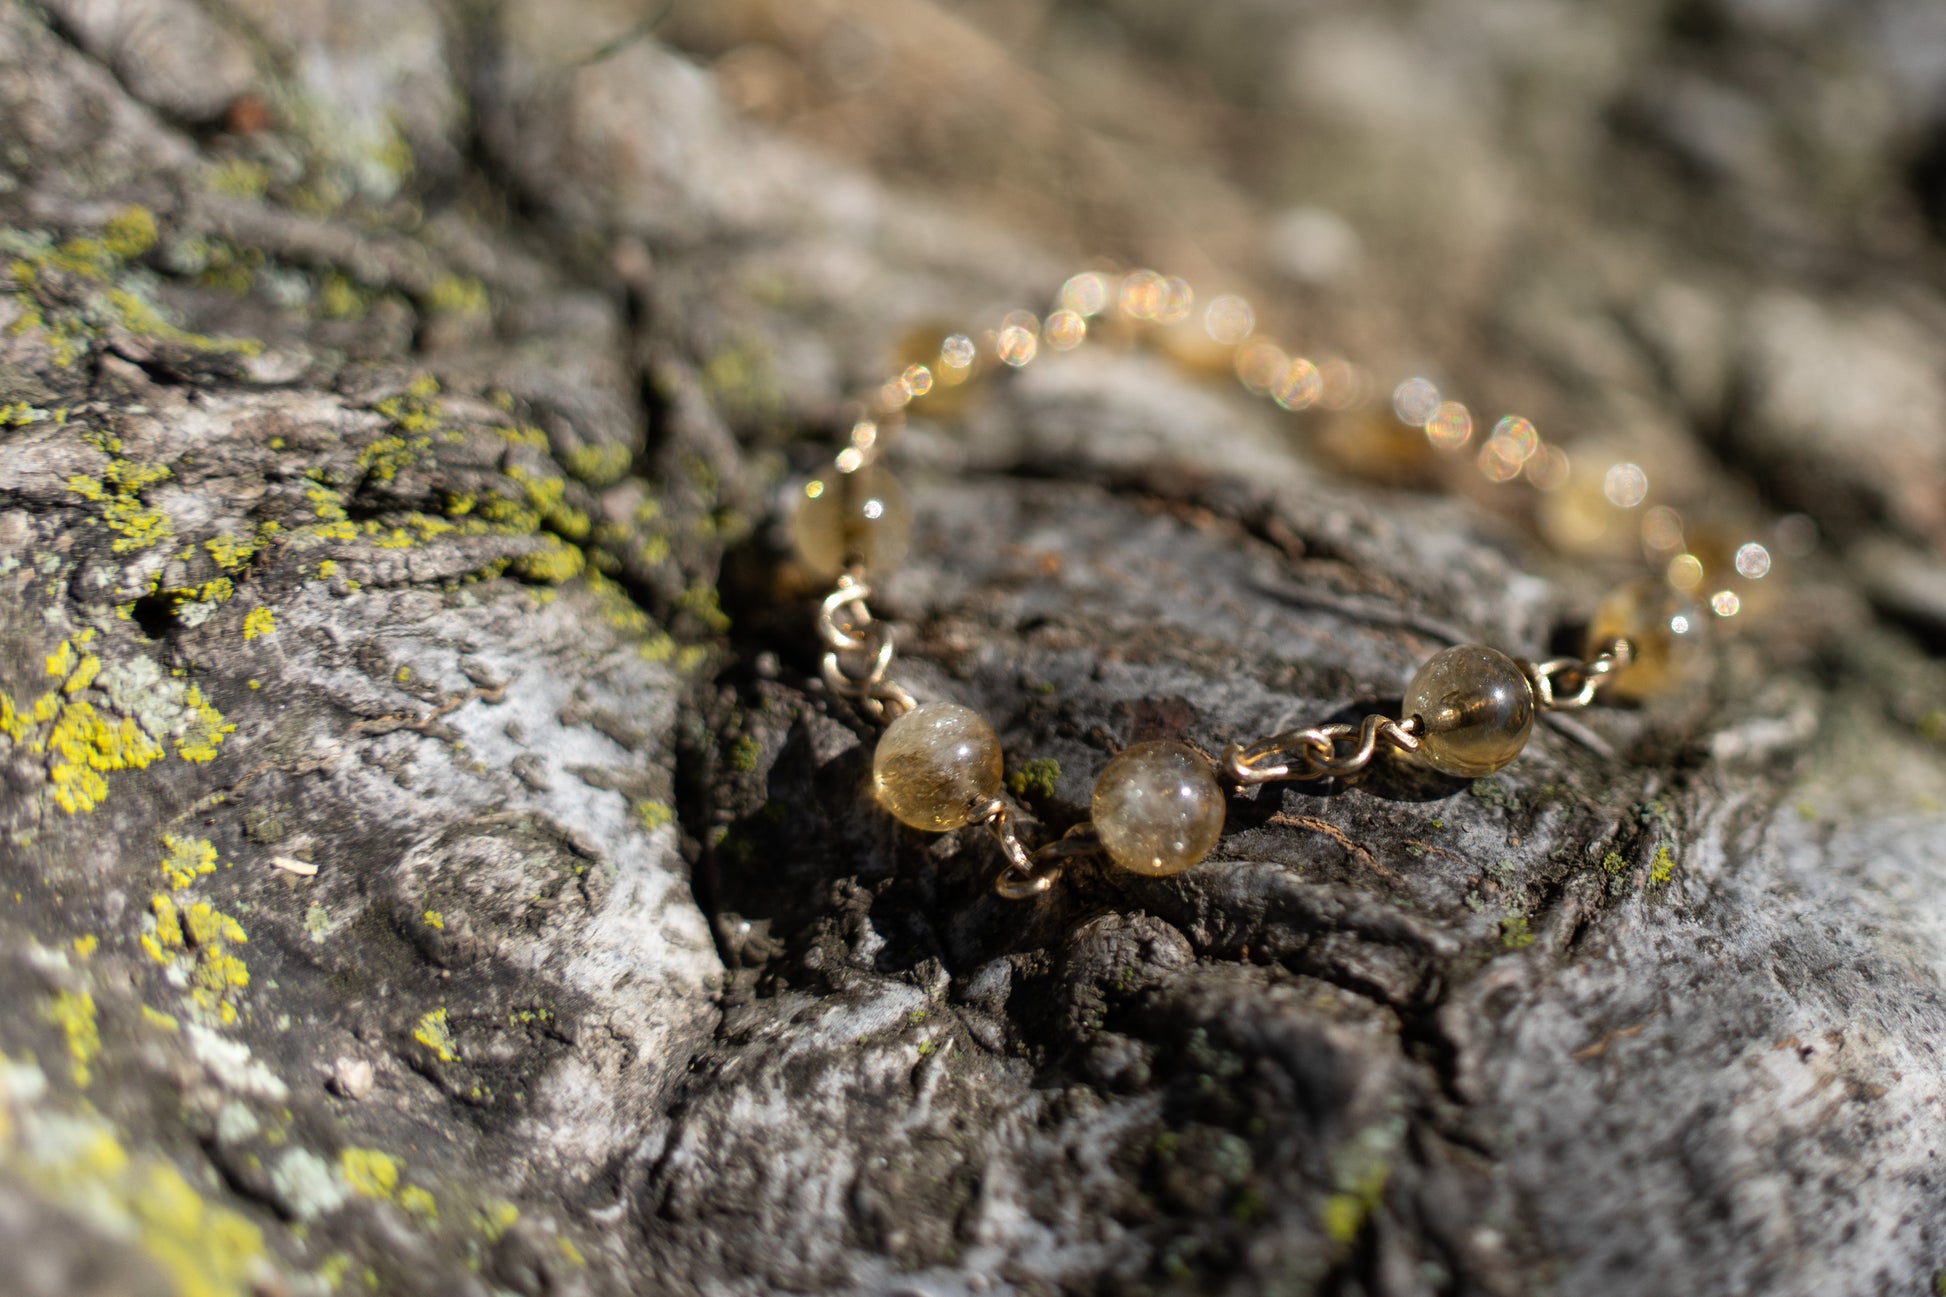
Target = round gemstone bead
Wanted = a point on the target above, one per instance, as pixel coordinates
(856, 517)
(1158, 809)
(936, 766)
(1662, 626)
(1475, 709)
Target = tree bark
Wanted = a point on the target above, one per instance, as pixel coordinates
(437, 867)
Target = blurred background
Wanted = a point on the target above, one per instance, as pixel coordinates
(1697, 235)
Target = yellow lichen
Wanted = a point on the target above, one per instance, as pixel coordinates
(599, 466)
(235, 177)
(206, 730)
(435, 1034)
(434, 919)
(168, 922)
(369, 1172)
(86, 945)
(340, 299)
(259, 621)
(206, 935)
(419, 1202)
(119, 491)
(160, 1020)
(188, 858)
(74, 1013)
(555, 562)
(457, 295)
(231, 551)
(495, 1219)
(200, 1249)
(85, 746)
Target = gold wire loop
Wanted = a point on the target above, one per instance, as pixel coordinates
(1312, 753)
(844, 615)
(1029, 873)
(1565, 684)
(858, 652)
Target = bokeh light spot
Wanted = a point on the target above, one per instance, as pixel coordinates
(1260, 364)
(1685, 572)
(1229, 319)
(1499, 461)
(1087, 293)
(1549, 468)
(1177, 300)
(1415, 401)
(1450, 427)
(1625, 485)
(1299, 386)
(1142, 295)
(1065, 329)
(1662, 529)
(1518, 438)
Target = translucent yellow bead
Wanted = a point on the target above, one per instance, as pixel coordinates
(1663, 627)
(936, 766)
(844, 518)
(1475, 707)
(1157, 808)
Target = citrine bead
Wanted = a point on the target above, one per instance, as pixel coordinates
(1663, 628)
(856, 517)
(936, 766)
(1475, 709)
(1157, 808)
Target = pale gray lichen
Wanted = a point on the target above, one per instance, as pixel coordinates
(306, 1185)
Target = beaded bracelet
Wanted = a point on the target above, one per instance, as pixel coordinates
(1158, 807)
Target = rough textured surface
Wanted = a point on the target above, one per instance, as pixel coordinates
(435, 867)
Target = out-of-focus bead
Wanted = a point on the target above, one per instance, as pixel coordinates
(1475, 708)
(1663, 627)
(936, 766)
(860, 517)
(1157, 808)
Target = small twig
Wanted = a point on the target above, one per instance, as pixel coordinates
(387, 724)
(1431, 850)
(303, 869)
(1600, 1047)
(1337, 835)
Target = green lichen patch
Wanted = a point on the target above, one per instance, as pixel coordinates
(1035, 778)
(80, 291)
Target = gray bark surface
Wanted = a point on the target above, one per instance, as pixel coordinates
(436, 868)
